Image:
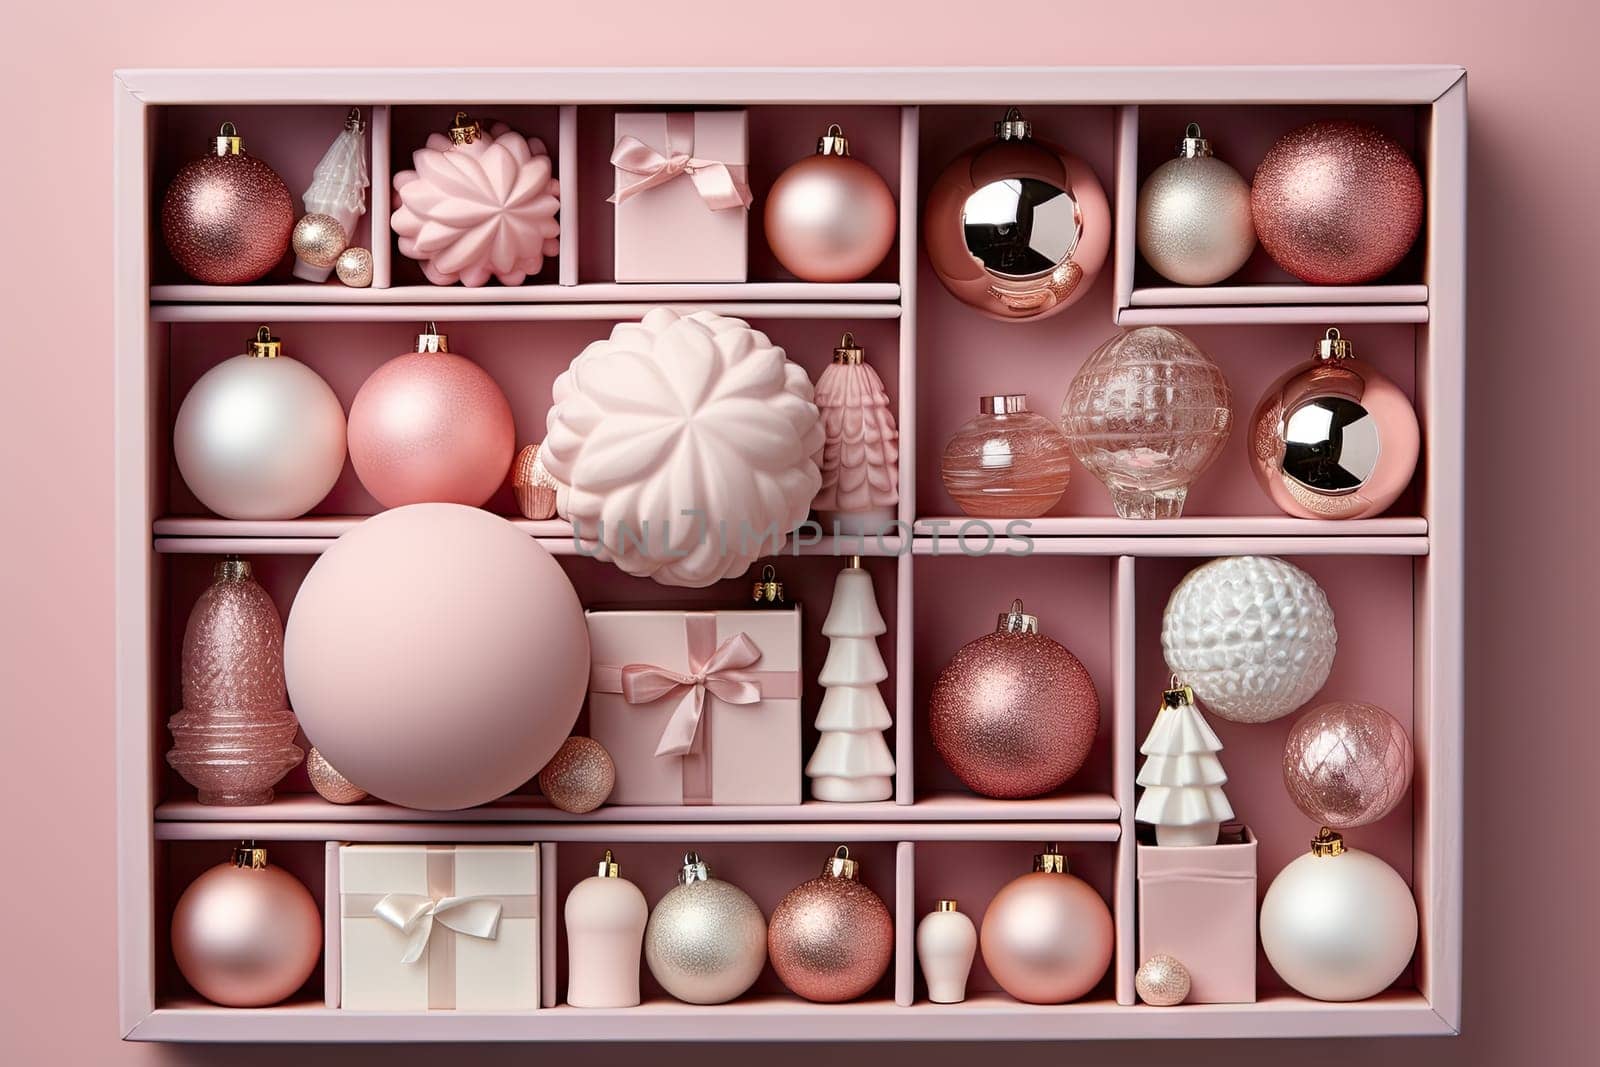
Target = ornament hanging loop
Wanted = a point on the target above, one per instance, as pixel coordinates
(694, 869)
(833, 142)
(1017, 621)
(431, 340)
(840, 865)
(265, 346)
(1194, 145)
(1328, 842)
(228, 142)
(848, 352)
(767, 590)
(353, 120)
(248, 856)
(464, 129)
(1050, 861)
(1178, 695)
(1013, 127)
(1334, 346)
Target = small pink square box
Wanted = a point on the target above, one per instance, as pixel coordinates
(721, 686)
(669, 232)
(1199, 906)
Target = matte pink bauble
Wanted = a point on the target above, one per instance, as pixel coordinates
(245, 934)
(830, 217)
(431, 427)
(1014, 714)
(1336, 203)
(1047, 936)
(1347, 764)
(437, 655)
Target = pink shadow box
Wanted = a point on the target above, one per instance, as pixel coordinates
(1199, 906)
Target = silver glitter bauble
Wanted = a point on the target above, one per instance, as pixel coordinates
(1194, 216)
(707, 940)
(1162, 981)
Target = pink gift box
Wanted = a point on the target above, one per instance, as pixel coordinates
(698, 707)
(682, 196)
(1199, 906)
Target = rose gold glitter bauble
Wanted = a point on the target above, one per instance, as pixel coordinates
(226, 218)
(1047, 936)
(1336, 203)
(354, 267)
(831, 938)
(1014, 714)
(830, 217)
(330, 785)
(1347, 764)
(1162, 981)
(579, 777)
(245, 936)
(318, 239)
(535, 488)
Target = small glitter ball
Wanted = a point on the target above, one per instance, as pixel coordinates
(579, 777)
(318, 239)
(1162, 981)
(332, 786)
(354, 267)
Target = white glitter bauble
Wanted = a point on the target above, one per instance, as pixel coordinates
(707, 940)
(1253, 635)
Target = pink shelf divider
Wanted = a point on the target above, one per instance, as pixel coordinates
(526, 312)
(1315, 314)
(378, 207)
(672, 833)
(550, 912)
(1125, 754)
(905, 923)
(578, 293)
(1124, 252)
(1181, 296)
(567, 178)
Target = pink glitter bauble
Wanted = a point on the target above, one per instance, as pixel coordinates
(831, 939)
(330, 785)
(1347, 764)
(431, 427)
(1014, 714)
(227, 217)
(1336, 203)
(1047, 936)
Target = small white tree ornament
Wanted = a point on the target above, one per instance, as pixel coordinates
(1182, 776)
(852, 762)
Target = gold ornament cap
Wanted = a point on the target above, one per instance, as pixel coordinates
(1193, 146)
(609, 868)
(354, 121)
(1003, 404)
(1328, 842)
(1179, 695)
(694, 869)
(231, 569)
(848, 352)
(265, 346)
(947, 905)
(227, 142)
(1017, 621)
(431, 340)
(767, 590)
(464, 129)
(249, 857)
(1013, 127)
(1050, 861)
(1333, 346)
(833, 142)
(840, 865)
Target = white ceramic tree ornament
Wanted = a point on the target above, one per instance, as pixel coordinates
(685, 447)
(1182, 776)
(852, 762)
(337, 198)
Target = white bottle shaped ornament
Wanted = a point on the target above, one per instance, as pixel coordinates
(606, 916)
(852, 762)
(946, 943)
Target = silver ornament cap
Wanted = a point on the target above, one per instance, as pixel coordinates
(1194, 222)
(706, 941)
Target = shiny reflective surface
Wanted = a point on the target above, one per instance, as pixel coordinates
(1331, 444)
(1021, 227)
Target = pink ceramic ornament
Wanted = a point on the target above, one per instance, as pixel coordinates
(424, 702)
(861, 446)
(431, 427)
(830, 217)
(1047, 936)
(480, 205)
(684, 446)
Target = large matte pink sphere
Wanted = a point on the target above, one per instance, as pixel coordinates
(431, 427)
(1047, 938)
(437, 655)
(246, 938)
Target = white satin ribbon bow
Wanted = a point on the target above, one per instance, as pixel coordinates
(414, 915)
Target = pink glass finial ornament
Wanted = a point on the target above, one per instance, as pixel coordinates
(1334, 438)
(861, 446)
(1147, 414)
(1017, 227)
(431, 426)
(681, 445)
(1347, 764)
(1008, 463)
(480, 204)
(830, 217)
(234, 739)
(1047, 936)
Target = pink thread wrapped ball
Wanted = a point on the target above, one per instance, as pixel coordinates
(1347, 764)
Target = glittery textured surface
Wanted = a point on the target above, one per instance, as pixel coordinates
(706, 942)
(535, 489)
(318, 239)
(1347, 764)
(1162, 981)
(1337, 203)
(1007, 466)
(330, 785)
(354, 267)
(1047, 938)
(579, 777)
(830, 219)
(1194, 220)
(1253, 635)
(830, 939)
(246, 938)
(1014, 715)
(226, 219)
(431, 426)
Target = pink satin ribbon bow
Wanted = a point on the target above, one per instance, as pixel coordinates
(723, 673)
(716, 182)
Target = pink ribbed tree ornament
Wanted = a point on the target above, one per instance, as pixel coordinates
(480, 205)
(683, 446)
(860, 450)
(234, 738)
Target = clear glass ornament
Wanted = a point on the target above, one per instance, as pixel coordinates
(1008, 463)
(1147, 414)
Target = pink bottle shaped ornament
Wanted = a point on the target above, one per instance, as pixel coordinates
(606, 916)
(860, 451)
(234, 738)
(480, 204)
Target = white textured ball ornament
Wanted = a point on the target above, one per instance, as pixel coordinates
(1194, 222)
(1162, 981)
(260, 436)
(1252, 635)
(1338, 923)
(707, 940)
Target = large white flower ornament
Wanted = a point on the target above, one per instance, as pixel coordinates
(685, 446)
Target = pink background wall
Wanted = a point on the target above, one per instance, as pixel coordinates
(1531, 877)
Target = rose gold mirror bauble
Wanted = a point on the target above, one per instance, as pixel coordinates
(1047, 936)
(830, 217)
(1017, 228)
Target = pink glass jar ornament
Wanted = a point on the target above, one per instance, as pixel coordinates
(830, 217)
(480, 205)
(234, 738)
(1016, 227)
(1008, 463)
(1347, 763)
(227, 216)
(1334, 438)
(431, 426)
(1047, 936)
(861, 446)
(1147, 414)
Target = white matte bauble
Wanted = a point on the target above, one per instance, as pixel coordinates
(260, 436)
(1194, 216)
(1338, 923)
(707, 940)
(1252, 635)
